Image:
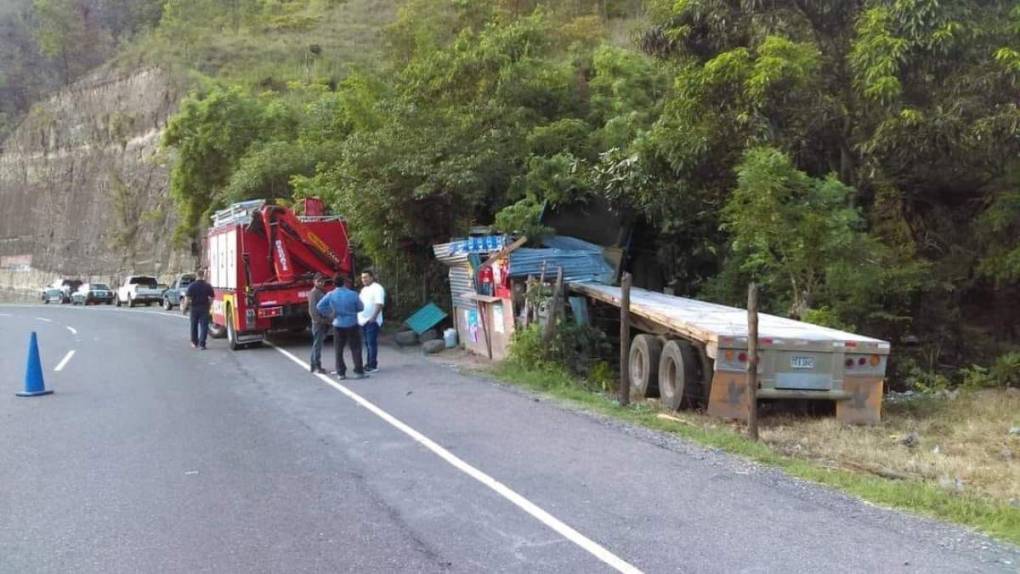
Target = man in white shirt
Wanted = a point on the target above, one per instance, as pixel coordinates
(373, 297)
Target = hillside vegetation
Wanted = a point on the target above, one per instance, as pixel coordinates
(857, 158)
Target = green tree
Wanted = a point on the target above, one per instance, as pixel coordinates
(209, 135)
(65, 28)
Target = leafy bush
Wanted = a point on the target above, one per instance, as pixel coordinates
(1006, 370)
(927, 382)
(574, 348)
(1004, 373)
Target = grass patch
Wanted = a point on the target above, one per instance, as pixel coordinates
(922, 494)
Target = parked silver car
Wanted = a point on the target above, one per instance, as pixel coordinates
(93, 294)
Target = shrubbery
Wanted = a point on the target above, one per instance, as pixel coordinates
(574, 349)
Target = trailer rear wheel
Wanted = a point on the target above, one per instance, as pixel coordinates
(678, 374)
(644, 366)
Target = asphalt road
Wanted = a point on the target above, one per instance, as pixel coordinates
(153, 457)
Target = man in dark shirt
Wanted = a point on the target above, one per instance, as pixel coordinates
(320, 322)
(199, 297)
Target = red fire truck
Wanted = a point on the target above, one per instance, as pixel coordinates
(261, 259)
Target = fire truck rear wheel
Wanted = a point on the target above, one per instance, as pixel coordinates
(679, 369)
(644, 366)
(231, 333)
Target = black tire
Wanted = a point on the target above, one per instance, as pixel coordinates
(679, 375)
(117, 300)
(110, 302)
(707, 374)
(131, 303)
(167, 304)
(644, 366)
(231, 332)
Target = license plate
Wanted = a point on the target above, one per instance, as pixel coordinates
(802, 362)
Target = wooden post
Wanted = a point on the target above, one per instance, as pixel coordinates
(483, 312)
(752, 360)
(625, 340)
(528, 286)
(554, 305)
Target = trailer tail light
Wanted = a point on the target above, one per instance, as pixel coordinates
(270, 312)
(865, 364)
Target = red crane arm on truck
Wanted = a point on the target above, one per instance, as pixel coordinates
(291, 240)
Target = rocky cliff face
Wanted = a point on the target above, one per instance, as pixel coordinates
(83, 185)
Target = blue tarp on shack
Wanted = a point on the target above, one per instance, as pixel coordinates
(580, 260)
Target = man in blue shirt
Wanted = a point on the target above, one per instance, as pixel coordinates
(344, 304)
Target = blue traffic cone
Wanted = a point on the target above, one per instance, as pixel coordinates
(34, 385)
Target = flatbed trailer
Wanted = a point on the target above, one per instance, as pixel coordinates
(695, 352)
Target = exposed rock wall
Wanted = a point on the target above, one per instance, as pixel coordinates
(83, 184)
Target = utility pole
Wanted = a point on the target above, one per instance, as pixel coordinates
(752, 360)
(625, 340)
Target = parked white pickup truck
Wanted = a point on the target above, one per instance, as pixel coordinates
(139, 289)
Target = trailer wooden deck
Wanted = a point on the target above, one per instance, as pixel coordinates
(712, 324)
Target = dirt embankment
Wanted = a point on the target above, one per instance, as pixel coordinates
(83, 185)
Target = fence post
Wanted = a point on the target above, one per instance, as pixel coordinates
(528, 295)
(625, 340)
(752, 360)
(554, 308)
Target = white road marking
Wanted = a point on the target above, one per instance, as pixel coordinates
(5, 315)
(45, 319)
(72, 330)
(63, 362)
(506, 492)
(503, 490)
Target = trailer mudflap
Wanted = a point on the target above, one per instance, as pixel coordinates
(864, 407)
(729, 398)
(859, 402)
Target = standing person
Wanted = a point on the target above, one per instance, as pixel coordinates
(345, 306)
(198, 299)
(320, 322)
(373, 297)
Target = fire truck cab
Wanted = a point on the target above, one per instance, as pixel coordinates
(261, 259)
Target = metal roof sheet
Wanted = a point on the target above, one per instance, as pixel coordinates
(425, 318)
(577, 265)
(461, 282)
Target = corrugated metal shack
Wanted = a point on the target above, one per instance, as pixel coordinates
(484, 318)
(484, 323)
